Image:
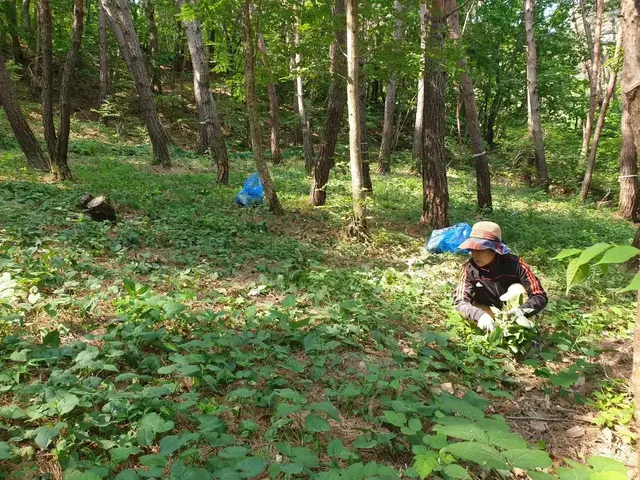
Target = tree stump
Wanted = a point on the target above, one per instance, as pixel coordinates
(98, 208)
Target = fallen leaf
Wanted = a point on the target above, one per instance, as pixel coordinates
(575, 432)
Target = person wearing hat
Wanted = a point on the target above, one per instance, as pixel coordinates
(490, 275)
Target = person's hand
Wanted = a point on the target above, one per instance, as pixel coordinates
(486, 323)
(516, 312)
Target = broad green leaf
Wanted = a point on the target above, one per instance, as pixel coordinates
(289, 301)
(365, 441)
(593, 251)
(51, 339)
(455, 471)
(567, 252)
(67, 403)
(325, 407)
(576, 273)
(633, 286)
(242, 393)
(493, 425)
(507, 441)
(415, 424)
(12, 412)
(425, 463)
(479, 453)
(292, 395)
(78, 475)
(285, 409)
(565, 473)
(564, 378)
(5, 451)
(47, 433)
(528, 459)
(172, 443)
(316, 424)
(128, 474)
(336, 449)
(122, 453)
(252, 466)
(541, 476)
(464, 432)
(305, 456)
(449, 403)
(20, 355)
(435, 441)
(606, 465)
(292, 468)
(149, 426)
(619, 254)
(234, 452)
(395, 418)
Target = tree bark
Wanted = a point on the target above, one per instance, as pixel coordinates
(364, 136)
(210, 127)
(274, 103)
(435, 192)
(119, 16)
(11, 14)
(483, 179)
(270, 194)
(628, 205)
(335, 110)
(594, 74)
(593, 151)
(535, 125)
(59, 164)
(305, 128)
(36, 158)
(104, 54)
(156, 82)
(418, 131)
(26, 15)
(386, 144)
(47, 76)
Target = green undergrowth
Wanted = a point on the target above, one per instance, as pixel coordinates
(194, 339)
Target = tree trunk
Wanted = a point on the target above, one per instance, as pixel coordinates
(594, 74)
(364, 136)
(47, 77)
(435, 192)
(593, 151)
(535, 125)
(210, 127)
(483, 179)
(26, 15)
(628, 168)
(104, 54)
(305, 128)
(274, 103)
(384, 158)
(335, 110)
(418, 131)
(458, 108)
(59, 164)
(28, 143)
(270, 194)
(119, 16)
(35, 73)
(11, 14)
(156, 82)
(358, 225)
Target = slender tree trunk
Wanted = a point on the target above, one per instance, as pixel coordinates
(358, 226)
(252, 104)
(296, 131)
(335, 110)
(119, 16)
(35, 72)
(483, 179)
(594, 73)
(628, 168)
(593, 151)
(364, 136)
(384, 158)
(156, 82)
(535, 125)
(418, 131)
(47, 76)
(11, 14)
(458, 108)
(435, 191)
(59, 163)
(26, 15)
(274, 103)
(305, 128)
(28, 143)
(104, 54)
(210, 127)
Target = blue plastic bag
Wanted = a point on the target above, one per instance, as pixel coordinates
(447, 240)
(252, 192)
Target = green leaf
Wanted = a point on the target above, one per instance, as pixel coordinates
(634, 285)
(576, 273)
(449, 403)
(455, 471)
(67, 403)
(292, 468)
(122, 453)
(242, 393)
(78, 475)
(305, 456)
(425, 463)
(51, 339)
(415, 424)
(289, 301)
(149, 426)
(292, 395)
(565, 473)
(5, 451)
(619, 254)
(336, 449)
(316, 424)
(528, 459)
(464, 432)
(479, 453)
(20, 355)
(252, 466)
(365, 441)
(234, 452)
(128, 474)
(567, 252)
(172, 443)
(507, 441)
(325, 407)
(435, 441)
(604, 465)
(395, 418)
(47, 433)
(564, 378)
(541, 476)
(285, 409)
(593, 251)
(12, 412)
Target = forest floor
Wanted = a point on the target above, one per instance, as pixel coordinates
(194, 337)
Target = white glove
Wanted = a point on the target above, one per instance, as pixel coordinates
(512, 292)
(521, 317)
(486, 323)
(516, 312)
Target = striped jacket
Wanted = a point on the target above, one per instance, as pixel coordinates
(486, 285)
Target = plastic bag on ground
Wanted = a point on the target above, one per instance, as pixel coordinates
(252, 192)
(447, 240)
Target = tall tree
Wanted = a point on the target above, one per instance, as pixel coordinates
(593, 150)
(11, 15)
(595, 44)
(305, 128)
(210, 127)
(483, 180)
(119, 15)
(252, 105)
(628, 204)
(435, 191)
(364, 136)
(418, 130)
(358, 225)
(26, 15)
(274, 103)
(384, 158)
(535, 124)
(44, 18)
(104, 54)
(36, 158)
(335, 109)
(156, 81)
